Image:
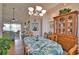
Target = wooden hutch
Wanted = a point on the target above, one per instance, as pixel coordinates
(65, 29)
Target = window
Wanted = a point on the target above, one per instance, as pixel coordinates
(12, 27)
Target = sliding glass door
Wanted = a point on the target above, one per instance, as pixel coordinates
(12, 30)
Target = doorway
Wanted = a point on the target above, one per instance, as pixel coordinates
(12, 30)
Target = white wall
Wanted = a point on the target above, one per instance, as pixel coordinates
(45, 24)
(0, 19)
(35, 20)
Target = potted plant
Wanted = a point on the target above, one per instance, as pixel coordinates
(5, 44)
(64, 11)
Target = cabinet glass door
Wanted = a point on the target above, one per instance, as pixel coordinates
(61, 25)
(69, 25)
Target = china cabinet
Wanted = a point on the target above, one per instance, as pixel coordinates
(66, 32)
(66, 24)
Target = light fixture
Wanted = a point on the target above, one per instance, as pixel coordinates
(38, 8)
(41, 14)
(31, 8)
(38, 11)
(43, 11)
(13, 15)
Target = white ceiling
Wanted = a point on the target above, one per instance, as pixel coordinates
(26, 5)
(21, 10)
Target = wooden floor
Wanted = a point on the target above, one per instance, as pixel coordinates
(17, 48)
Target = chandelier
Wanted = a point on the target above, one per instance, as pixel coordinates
(37, 11)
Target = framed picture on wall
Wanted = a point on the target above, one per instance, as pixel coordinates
(35, 26)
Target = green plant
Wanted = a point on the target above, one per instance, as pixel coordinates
(5, 44)
(64, 11)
